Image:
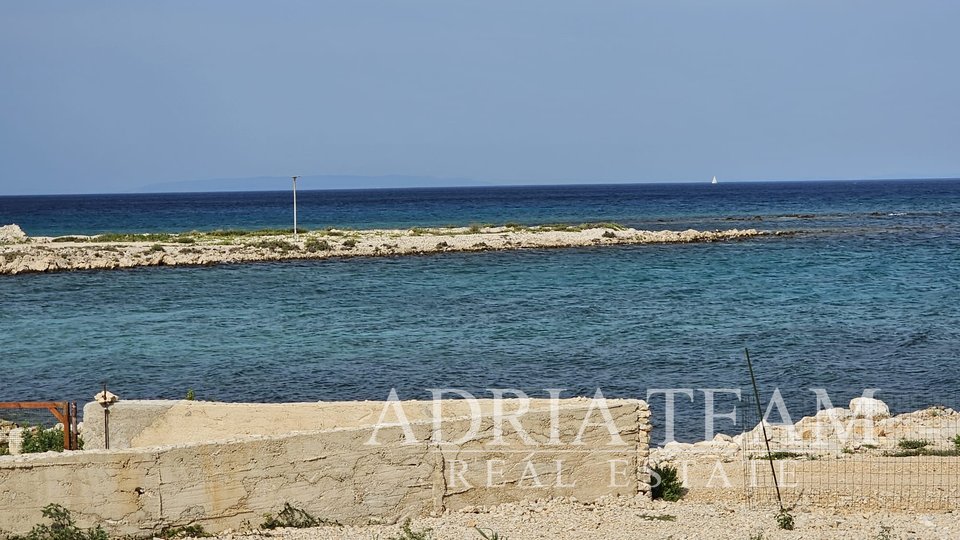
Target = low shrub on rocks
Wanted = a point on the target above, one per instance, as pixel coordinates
(490, 534)
(293, 518)
(275, 245)
(61, 527)
(407, 533)
(910, 444)
(190, 531)
(314, 245)
(666, 483)
(37, 440)
(785, 520)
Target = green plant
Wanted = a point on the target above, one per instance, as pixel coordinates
(924, 452)
(757, 536)
(660, 517)
(155, 248)
(4, 449)
(190, 531)
(884, 533)
(132, 237)
(70, 239)
(314, 245)
(275, 245)
(913, 444)
(442, 245)
(783, 454)
(915, 447)
(490, 534)
(407, 533)
(785, 520)
(62, 527)
(230, 233)
(349, 243)
(606, 225)
(475, 228)
(191, 395)
(667, 484)
(293, 518)
(608, 234)
(36, 440)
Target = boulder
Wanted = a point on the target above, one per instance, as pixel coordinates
(12, 234)
(874, 409)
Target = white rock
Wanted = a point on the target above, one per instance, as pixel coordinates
(12, 234)
(836, 413)
(863, 407)
(677, 445)
(723, 437)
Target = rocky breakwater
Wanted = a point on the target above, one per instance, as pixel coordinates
(21, 254)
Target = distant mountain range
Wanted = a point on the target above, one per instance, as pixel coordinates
(278, 183)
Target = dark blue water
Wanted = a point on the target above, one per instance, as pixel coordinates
(770, 205)
(871, 300)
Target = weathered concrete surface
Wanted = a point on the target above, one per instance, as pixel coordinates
(146, 423)
(127, 420)
(339, 472)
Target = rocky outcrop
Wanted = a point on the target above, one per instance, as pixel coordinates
(12, 234)
(43, 254)
(865, 427)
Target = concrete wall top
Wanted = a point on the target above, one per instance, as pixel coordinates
(156, 423)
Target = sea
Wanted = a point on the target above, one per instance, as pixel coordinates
(862, 293)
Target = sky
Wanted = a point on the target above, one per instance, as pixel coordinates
(100, 97)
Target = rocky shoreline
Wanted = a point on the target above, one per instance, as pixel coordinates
(21, 254)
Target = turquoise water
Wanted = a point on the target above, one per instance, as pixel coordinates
(872, 303)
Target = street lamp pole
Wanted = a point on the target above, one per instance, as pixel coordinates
(296, 236)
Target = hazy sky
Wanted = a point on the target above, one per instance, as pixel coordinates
(111, 96)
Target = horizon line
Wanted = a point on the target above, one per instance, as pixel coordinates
(482, 185)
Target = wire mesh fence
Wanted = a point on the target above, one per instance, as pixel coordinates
(860, 456)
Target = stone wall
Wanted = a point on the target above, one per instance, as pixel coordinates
(352, 470)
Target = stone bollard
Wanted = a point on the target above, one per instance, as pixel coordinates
(15, 440)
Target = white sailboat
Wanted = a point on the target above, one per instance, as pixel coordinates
(714, 181)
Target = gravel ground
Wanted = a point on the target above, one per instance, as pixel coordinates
(638, 518)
